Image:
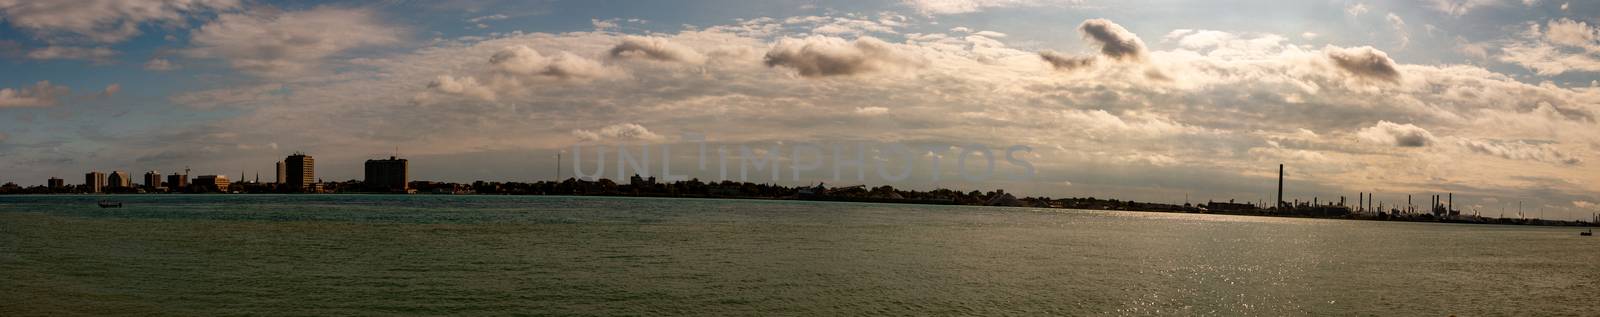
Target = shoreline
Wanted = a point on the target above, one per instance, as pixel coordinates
(1355, 217)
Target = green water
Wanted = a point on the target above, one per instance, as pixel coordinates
(498, 255)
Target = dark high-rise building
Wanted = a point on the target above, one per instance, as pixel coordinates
(178, 182)
(300, 170)
(152, 179)
(119, 179)
(56, 183)
(95, 181)
(387, 175)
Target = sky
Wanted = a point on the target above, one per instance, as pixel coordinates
(1493, 100)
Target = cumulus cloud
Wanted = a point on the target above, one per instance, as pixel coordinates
(512, 69)
(655, 48)
(1066, 63)
(1364, 62)
(1558, 47)
(522, 60)
(467, 86)
(1114, 41)
(1521, 150)
(102, 21)
(276, 44)
(1402, 135)
(819, 56)
(42, 94)
(1567, 32)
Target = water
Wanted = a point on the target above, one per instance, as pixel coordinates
(495, 255)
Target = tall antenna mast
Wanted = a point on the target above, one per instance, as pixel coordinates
(558, 166)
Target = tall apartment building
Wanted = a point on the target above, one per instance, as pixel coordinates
(301, 171)
(95, 181)
(387, 175)
(152, 179)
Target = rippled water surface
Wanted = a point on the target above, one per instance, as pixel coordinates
(494, 255)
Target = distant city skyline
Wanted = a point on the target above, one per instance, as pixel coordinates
(1495, 100)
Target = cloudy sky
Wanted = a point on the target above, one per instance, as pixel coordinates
(1494, 100)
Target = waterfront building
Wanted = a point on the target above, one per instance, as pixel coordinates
(152, 179)
(178, 182)
(95, 181)
(216, 183)
(281, 174)
(56, 183)
(119, 179)
(387, 175)
(301, 171)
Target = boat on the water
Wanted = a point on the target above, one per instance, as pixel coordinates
(110, 204)
(1587, 233)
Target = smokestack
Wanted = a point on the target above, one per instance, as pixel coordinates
(1452, 202)
(1408, 204)
(1280, 185)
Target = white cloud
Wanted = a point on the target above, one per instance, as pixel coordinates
(603, 25)
(946, 7)
(1460, 7)
(1400, 31)
(1570, 33)
(492, 17)
(618, 132)
(1560, 46)
(278, 44)
(871, 111)
(160, 65)
(42, 94)
(1356, 9)
(990, 34)
(102, 21)
(525, 61)
(1520, 150)
(95, 54)
(513, 70)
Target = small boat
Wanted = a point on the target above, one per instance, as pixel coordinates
(1587, 233)
(110, 204)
